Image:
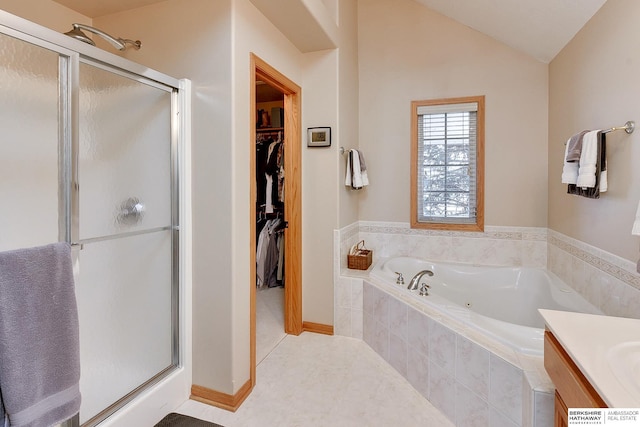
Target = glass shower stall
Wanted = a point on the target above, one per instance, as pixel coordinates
(90, 155)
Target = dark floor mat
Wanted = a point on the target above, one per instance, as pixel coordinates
(179, 420)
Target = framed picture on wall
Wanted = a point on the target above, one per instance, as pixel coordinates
(319, 137)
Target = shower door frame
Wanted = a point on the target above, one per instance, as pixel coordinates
(71, 195)
(170, 387)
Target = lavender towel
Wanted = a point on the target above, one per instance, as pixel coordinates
(39, 336)
(574, 147)
(4, 422)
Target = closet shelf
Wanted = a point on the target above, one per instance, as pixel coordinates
(269, 129)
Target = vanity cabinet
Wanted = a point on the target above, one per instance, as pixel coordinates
(573, 390)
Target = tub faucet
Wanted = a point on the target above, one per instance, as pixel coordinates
(400, 279)
(413, 284)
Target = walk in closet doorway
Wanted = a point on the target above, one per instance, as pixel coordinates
(276, 208)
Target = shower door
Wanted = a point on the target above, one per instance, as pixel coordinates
(29, 144)
(89, 154)
(125, 224)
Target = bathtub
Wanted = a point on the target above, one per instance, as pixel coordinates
(501, 302)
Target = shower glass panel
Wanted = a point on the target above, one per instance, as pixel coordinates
(29, 148)
(125, 226)
(125, 154)
(124, 310)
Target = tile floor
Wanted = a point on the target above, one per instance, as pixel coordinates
(319, 380)
(269, 320)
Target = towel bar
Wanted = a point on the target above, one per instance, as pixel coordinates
(628, 127)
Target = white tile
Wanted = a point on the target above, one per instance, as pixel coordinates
(437, 248)
(543, 409)
(442, 390)
(343, 292)
(381, 306)
(356, 294)
(418, 371)
(471, 410)
(398, 318)
(505, 392)
(367, 298)
(342, 321)
(578, 274)
(398, 354)
(418, 331)
(620, 299)
(357, 324)
(534, 254)
(496, 419)
(318, 380)
(472, 367)
(269, 320)
(368, 328)
(591, 287)
(487, 251)
(442, 346)
(632, 299)
(380, 342)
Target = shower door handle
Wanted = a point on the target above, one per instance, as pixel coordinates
(131, 211)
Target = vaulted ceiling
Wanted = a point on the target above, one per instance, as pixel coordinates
(540, 28)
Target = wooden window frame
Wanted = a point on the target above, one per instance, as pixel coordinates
(435, 225)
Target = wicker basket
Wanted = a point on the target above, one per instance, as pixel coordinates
(362, 258)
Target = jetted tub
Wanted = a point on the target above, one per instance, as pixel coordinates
(502, 302)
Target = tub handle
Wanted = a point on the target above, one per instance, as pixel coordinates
(400, 279)
(424, 289)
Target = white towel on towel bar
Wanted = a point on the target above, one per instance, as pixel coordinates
(588, 160)
(569, 169)
(355, 177)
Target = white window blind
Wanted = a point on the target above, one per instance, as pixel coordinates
(447, 136)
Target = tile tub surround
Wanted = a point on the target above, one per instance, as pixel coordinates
(605, 280)
(501, 246)
(496, 246)
(470, 378)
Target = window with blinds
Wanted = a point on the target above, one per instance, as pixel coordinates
(447, 160)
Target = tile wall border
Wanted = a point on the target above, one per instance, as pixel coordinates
(491, 232)
(620, 268)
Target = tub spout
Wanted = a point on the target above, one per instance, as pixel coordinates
(413, 284)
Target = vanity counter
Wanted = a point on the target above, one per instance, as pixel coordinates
(605, 349)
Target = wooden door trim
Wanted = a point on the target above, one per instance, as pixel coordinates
(293, 200)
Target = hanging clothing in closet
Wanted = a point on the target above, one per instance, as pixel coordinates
(270, 206)
(270, 254)
(270, 173)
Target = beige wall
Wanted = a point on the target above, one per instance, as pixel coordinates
(210, 43)
(46, 13)
(192, 39)
(319, 197)
(348, 87)
(408, 52)
(251, 33)
(594, 83)
(215, 52)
